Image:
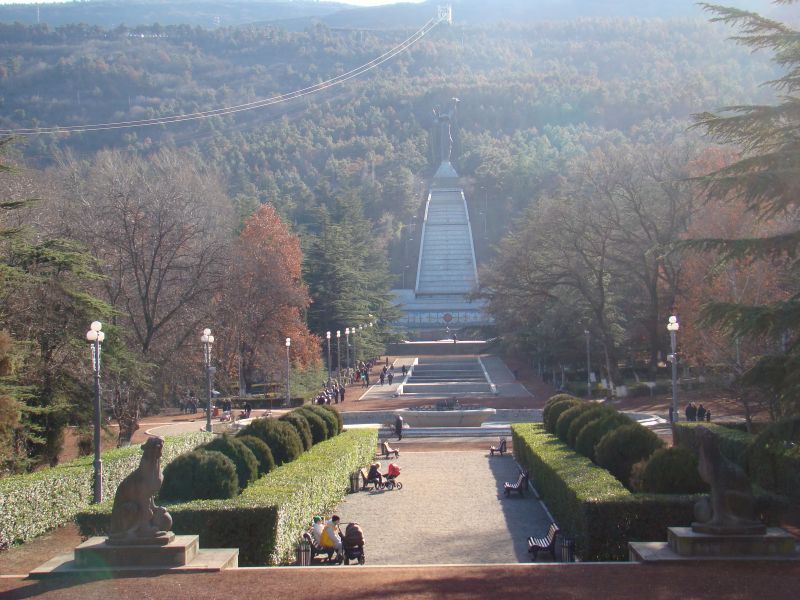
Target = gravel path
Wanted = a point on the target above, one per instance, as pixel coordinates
(440, 519)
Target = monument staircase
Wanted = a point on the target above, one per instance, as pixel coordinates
(447, 259)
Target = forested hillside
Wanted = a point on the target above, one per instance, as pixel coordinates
(531, 96)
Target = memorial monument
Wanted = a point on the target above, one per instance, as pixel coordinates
(446, 271)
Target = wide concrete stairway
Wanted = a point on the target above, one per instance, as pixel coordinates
(445, 377)
(447, 260)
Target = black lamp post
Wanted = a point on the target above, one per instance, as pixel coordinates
(338, 357)
(288, 371)
(588, 363)
(673, 326)
(95, 337)
(328, 337)
(208, 341)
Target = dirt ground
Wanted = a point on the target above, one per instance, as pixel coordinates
(627, 581)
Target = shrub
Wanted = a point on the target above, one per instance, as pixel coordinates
(552, 400)
(773, 458)
(338, 415)
(592, 432)
(672, 471)
(282, 439)
(589, 504)
(266, 521)
(733, 444)
(261, 451)
(33, 503)
(620, 449)
(200, 474)
(565, 418)
(595, 412)
(299, 422)
(554, 410)
(319, 430)
(243, 458)
(331, 422)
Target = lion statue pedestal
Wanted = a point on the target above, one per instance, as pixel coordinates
(140, 538)
(726, 526)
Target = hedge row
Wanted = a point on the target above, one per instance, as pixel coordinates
(591, 505)
(732, 443)
(267, 519)
(34, 503)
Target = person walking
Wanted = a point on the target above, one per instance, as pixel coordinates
(398, 427)
(383, 377)
(390, 377)
(341, 394)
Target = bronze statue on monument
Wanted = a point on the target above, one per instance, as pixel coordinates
(445, 120)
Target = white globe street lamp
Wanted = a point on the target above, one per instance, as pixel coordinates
(208, 342)
(288, 371)
(328, 337)
(673, 326)
(338, 357)
(95, 337)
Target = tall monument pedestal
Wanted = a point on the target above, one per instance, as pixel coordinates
(684, 544)
(96, 556)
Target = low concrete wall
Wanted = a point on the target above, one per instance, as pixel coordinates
(502, 415)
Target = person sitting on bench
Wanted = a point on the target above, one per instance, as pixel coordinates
(374, 476)
(387, 450)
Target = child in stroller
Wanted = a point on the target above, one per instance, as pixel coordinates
(390, 478)
(353, 544)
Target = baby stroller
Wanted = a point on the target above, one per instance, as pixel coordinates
(390, 479)
(353, 544)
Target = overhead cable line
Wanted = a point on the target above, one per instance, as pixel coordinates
(218, 112)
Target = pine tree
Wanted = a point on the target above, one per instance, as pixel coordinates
(348, 278)
(767, 179)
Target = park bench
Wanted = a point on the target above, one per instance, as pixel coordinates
(501, 448)
(387, 451)
(547, 543)
(367, 482)
(316, 548)
(519, 486)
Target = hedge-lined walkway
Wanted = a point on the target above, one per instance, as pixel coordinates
(451, 510)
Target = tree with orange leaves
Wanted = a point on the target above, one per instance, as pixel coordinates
(263, 302)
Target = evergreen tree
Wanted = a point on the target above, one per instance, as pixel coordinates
(44, 313)
(767, 179)
(348, 278)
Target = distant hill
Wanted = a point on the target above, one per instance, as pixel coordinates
(299, 14)
(472, 13)
(200, 13)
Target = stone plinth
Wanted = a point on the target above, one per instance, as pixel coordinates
(95, 557)
(685, 542)
(96, 551)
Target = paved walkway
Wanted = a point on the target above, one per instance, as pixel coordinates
(439, 520)
(503, 378)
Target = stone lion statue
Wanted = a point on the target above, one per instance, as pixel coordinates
(135, 518)
(731, 506)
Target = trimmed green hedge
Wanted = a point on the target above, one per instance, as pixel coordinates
(774, 458)
(34, 503)
(267, 519)
(588, 503)
(732, 443)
